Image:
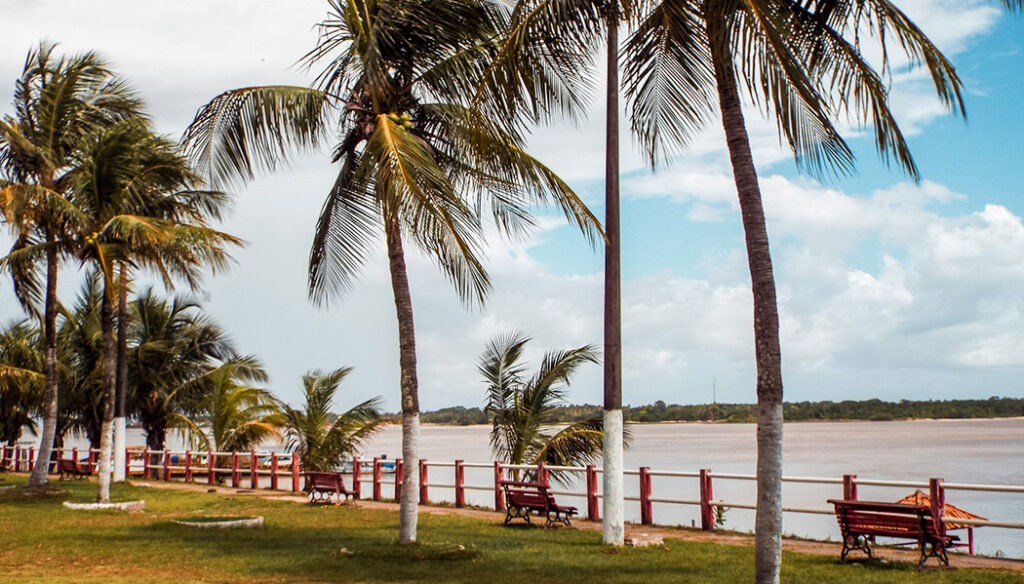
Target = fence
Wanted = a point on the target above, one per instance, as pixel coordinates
(284, 470)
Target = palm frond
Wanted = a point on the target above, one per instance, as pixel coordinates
(243, 131)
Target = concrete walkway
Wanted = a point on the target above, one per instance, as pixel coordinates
(642, 534)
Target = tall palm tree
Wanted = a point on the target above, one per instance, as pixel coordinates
(802, 62)
(57, 100)
(170, 343)
(542, 65)
(522, 408)
(122, 185)
(417, 163)
(321, 443)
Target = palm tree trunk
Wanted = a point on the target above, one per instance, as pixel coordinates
(613, 526)
(50, 375)
(109, 389)
(407, 511)
(120, 419)
(768, 521)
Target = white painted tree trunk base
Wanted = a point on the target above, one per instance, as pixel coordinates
(103, 468)
(407, 510)
(129, 506)
(120, 441)
(613, 528)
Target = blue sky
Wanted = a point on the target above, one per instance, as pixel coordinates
(887, 289)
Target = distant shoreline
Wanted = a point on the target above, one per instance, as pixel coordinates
(872, 410)
(723, 422)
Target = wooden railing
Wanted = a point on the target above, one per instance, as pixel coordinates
(283, 471)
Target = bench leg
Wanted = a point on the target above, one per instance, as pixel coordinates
(938, 550)
(514, 512)
(854, 542)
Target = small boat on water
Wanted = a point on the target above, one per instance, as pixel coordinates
(387, 466)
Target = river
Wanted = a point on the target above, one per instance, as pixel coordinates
(958, 451)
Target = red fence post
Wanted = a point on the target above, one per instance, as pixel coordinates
(707, 510)
(460, 483)
(235, 479)
(254, 473)
(850, 487)
(17, 458)
(937, 494)
(32, 458)
(211, 474)
(74, 454)
(357, 485)
(376, 479)
(499, 494)
(3, 457)
(593, 513)
(145, 463)
(424, 495)
(542, 473)
(645, 495)
(296, 470)
(273, 471)
(167, 464)
(399, 475)
(188, 466)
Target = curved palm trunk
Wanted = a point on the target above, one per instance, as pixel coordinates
(120, 419)
(768, 521)
(613, 526)
(109, 386)
(410, 398)
(39, 472)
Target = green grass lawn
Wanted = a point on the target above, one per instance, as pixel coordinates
(40, 541)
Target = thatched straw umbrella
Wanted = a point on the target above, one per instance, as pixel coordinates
(920, 498)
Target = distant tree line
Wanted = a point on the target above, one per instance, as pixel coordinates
(872, 409)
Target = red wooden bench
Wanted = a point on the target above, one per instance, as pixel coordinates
(323, 485)
(861, 521)
(69, 467)
(521, 498)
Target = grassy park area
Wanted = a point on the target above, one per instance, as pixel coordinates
(42, 541)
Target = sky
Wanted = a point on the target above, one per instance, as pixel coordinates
(887, 288)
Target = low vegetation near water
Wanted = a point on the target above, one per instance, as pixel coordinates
(872, 409)
(43, 542)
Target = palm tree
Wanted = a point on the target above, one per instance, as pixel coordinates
(321, 443)
(417, 163)
(57, 100)
(171, 343)
(240, 416)
(21, 378)
(522, 408)
(546, 54)
(80, 354)
(803, 62)
(122, 210)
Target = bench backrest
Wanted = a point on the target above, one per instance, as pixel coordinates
(888, 519)
(521, 494)
(326, 480)
(67, 465)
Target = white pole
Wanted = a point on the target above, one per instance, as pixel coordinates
(120, 442)
(613, 531)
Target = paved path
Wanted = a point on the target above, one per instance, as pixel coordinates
(641, 533)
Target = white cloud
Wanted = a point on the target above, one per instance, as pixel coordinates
(879, 294)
